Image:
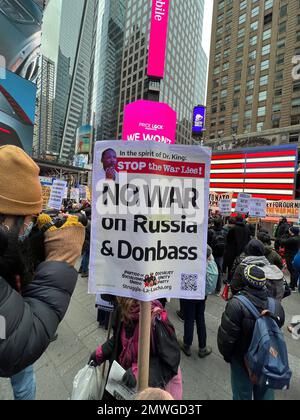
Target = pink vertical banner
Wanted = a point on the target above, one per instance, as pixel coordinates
(158, 38)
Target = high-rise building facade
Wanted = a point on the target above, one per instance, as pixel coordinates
(79, 94)
(253, 90)
(107, 63)
(44, 108)
(186, 64)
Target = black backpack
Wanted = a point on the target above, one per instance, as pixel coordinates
(218, 245)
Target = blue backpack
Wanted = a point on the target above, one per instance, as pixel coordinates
(267, 357)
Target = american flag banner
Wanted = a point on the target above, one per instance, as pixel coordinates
(268, 172)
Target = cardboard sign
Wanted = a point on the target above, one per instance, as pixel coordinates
(258, 207)
(57, 194)
(225, 207)
(149, 223)
(243, 203)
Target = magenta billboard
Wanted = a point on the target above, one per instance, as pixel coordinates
(158, 38)
(149, 121)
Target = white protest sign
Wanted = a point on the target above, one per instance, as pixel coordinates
(225, 207)
(82, 192)
(74, 194)
(258, 207)
(243, 202)
(57, 194)
(149, 220)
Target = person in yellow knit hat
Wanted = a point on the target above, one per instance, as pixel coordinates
(33, 299)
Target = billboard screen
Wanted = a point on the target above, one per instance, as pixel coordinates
(84, 139)
(149, 121)
(17, 111)
(268, 172)
(199, 119)
(158, 38)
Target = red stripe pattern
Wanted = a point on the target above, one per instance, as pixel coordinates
(265, 173)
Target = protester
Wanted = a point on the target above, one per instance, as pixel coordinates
(281, 232)
(236, 331)
(164, 371)
(272, 256)
(194, 310)
(236, 241)
(296, 266)
(33, 300)
(218, 249)
(292, 246)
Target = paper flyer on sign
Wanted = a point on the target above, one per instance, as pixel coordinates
(115, 385)
(258, 207)
(243, 203)
(57, 194)
(225, 207)
(149, 220)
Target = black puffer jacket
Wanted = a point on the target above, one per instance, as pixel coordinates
(32, 319)
(236, 330)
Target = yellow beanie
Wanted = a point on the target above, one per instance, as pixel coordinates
(20, 188)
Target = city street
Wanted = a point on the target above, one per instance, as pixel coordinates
(203, 379)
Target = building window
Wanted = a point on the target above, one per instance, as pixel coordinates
(264, 65)
(262, 96)
(252, 55)
(295, 103)
(238, 75)
(235, 117)
(282, 27)
(276, 123)
(249, 100)
(223, 93)
(280, 59)
(266, 49)
(254, 26)
(283, 11)
(241, 32)
(250, 85)
(255, 11)
(253, 40)
(268, 18)
(281, 44)
(267, 34)
(298, 36)
(248, 113)
(293, 138)
(276, 107)
(226, 66)
(223, 107)
(268, 4)
(236, 102)
(243, 4)
(295, 119)
(242, 19)
(226, 52)
(296, 87)
(260, 126)
(237, 88)
(278, 92)
(261, 112)
(279, 75)
(251, 70)
(224, 80)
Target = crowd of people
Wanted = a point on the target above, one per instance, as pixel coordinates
(38, 253)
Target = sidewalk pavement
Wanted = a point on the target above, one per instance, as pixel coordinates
(203, 379)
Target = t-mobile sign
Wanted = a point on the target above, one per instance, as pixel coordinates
(158, 38)
(149, 121)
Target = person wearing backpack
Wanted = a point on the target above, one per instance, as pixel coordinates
(218, 249)
(194, 310)
(236, 332)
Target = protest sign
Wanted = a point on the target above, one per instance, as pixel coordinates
(225, 207)
(215, 197)
(46, 183)
(57, 194)
(74, 194)
(149, 220)
(257, 207)
(243, 202)
(82, 192)
(282, 208)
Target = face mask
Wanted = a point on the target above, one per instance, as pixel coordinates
(27, 232)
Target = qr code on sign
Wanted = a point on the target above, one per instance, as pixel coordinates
(189, 282)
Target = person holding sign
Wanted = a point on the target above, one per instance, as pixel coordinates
(33, 299)
(123, 347)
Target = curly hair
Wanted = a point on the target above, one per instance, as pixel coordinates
(128, 306)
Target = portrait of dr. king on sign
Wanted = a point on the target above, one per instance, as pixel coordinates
(149, 220)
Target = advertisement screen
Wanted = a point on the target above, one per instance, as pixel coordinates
(17, 111)
(199, 119)
(84, 139)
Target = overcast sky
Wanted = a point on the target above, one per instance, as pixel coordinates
(207, 26)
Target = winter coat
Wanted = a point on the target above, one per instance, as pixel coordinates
(239, 266)
(164, 352)
(282, 230)
(296, 265)
(273, 257)
(237, 325)
(236, 241)
(32, 319)
(87, 239)
(292, 246)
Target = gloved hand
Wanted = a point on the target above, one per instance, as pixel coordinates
(93, 359)
(129, 379)
(64, 243)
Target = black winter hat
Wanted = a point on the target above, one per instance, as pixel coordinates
(255, 277)
(255, 248)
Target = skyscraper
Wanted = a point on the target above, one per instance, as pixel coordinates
(186, 64)
(44, 108)
(253, 98)
(108, 50)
